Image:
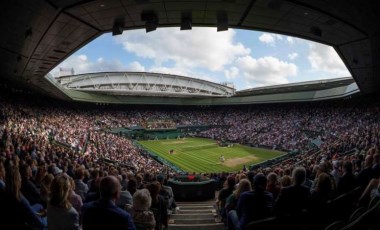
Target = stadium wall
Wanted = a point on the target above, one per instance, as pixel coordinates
(193, 191)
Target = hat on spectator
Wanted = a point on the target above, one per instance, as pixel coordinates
(56, 170)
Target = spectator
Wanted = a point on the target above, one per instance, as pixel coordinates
(104, 214)
(13, 203)
(273, 185)
(231, 201)
(347, 181)
(229, 187)
(293, 199)
(366, 174)
(75, 199)
(318, 200)
(372, 191)
(80, 187)
(60, 213)
(167, 193)
(140, 211)
(124, 199)
(158, 206)
(254, 205)
(28, 188)
(45, 188)
(132, 186)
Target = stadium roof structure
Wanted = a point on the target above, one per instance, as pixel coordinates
(155, 88)
(298, 87)
(144, 84)
(37, 35)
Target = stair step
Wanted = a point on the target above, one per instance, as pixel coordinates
(211, 227)
(196, 203)
(192, 216)
(196, 216)
(202, 211)
(198, 225)
(216, 226)
(197, 207)
(195, 221)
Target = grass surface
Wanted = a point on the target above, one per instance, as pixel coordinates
(203, 155)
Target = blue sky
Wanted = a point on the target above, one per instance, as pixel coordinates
(245, 58)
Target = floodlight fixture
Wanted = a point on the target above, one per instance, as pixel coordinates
(222, 21)
(151, 20)
(186, 21)
(118, 27)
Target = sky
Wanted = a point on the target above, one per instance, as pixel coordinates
(248, 59)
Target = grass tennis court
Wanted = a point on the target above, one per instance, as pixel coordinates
(203, 155)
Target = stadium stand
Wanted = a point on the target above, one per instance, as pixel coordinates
(52, 139)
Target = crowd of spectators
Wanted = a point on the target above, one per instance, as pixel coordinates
(52, 167)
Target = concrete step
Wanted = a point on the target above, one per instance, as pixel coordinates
(192, 216)
(197, 203)
(216, 226)
(195, 207)
(195, 221)
(193, 211)
(196, 216)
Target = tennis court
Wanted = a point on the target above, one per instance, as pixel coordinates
(203, 155)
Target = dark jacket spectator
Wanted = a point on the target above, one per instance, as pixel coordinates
(226, 192)
(28, 188)
(158, 206)
(348, 181)
(14, 204)
(293, 199)
(365, 175)
(104, 214)
(256, 204)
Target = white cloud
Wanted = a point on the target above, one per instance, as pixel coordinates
(170, 70)
(82, 64)
(278, 37)
(290, 40)
(135, 66)
(293, 55)
(182, 72)
(324, 58)
(82, 57)
(270, 39)
(231, 73)
(266, 70)
(107, 65)
(267, 39)
(205, 48)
